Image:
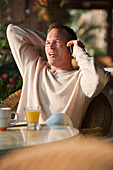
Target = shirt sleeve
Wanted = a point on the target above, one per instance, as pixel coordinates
(25, 44)
(93, 78)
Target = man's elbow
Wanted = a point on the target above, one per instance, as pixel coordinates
(9, 29)
(89, 92)
(90, 87)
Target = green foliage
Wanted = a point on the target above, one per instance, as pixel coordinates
(5, 54)
(19, 84)
(3, 40)
(9, 83)
(96, 51)
(10, 79)
(4, 2)
(3, 90)
(86, 32)
(1, 87)
(62, 3)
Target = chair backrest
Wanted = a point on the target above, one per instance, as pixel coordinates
(98, 115)
(12, 101)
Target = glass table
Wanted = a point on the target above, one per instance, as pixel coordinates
(18, 136)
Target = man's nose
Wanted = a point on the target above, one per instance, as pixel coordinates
(52, 45)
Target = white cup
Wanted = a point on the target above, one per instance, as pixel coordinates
(5, 118)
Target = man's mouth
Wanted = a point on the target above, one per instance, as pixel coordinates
(51, 54)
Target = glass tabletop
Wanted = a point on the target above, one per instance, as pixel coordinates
(19, 136)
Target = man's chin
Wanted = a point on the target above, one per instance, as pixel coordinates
(51, 62)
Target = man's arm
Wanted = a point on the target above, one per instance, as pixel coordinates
(25, 44)
(93, 78)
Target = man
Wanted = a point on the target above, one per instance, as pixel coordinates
(57, 88)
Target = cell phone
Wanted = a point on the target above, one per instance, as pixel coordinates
(71, 49)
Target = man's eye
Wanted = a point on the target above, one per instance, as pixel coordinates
(57, 42)
(47, 43)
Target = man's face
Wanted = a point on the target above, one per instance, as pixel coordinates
(56, 50)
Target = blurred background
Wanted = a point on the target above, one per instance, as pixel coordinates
(91, 20)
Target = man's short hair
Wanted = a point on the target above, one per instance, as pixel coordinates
(69, 33)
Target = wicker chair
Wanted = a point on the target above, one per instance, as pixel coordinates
(98, 118)
(96, 122)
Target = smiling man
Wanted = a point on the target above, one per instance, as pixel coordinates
(58, 88)
(56, 50)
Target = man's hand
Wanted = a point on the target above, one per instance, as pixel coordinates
(77, 44)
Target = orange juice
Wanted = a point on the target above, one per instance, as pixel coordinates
(32, 116)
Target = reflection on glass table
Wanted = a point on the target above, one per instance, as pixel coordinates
(18, 137)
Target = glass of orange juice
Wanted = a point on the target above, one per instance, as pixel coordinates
(32, 117)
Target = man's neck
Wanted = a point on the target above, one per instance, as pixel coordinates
(55, 69)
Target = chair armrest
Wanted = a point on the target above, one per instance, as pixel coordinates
(97, 131)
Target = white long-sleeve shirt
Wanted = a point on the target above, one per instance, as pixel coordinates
(68, 92)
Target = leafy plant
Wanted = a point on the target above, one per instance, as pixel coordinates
(5, 55)
(85, 32)
(9, 83)
(10, 79)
